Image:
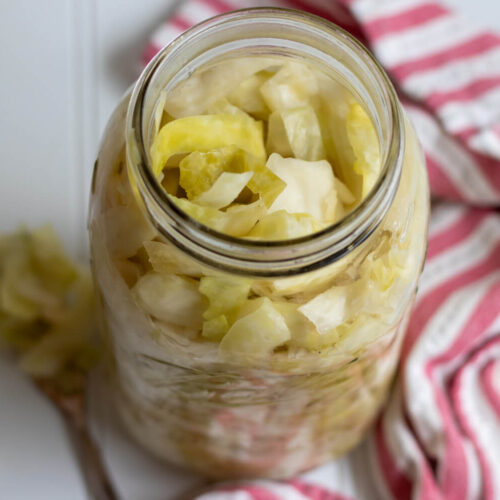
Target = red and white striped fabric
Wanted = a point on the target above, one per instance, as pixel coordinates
(439, 437)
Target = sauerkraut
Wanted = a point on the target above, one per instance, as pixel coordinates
(242, 376)
(46, 308)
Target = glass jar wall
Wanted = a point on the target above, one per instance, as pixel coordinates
(320, 318)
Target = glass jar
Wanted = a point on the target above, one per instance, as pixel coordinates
(309, 400)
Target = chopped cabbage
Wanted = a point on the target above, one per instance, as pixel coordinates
(204, 133)
(363, 331)
(343, 193)
(215, 328)
(118, 220)
(46, 304)
(255, 335)
(277, 138)
(68, 339)
(327, 310)
(310, 187)
(264, 182)
(296, 132)
(224, 294)
(364, 142)
(199, 171)
(167, 259)
(387, 264)
(334, 102)
(292, 86)
(247, 95)
(35, 274)
(170, 298)
(204, 87)
(224, 107)
(237, 220)
(303, 332)
(282, 225)
(224, 190)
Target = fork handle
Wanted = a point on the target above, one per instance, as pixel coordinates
(97, 481)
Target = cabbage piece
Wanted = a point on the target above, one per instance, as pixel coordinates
(250, 306)
(343, 193)
(292, 86)
(334, 102)
(214, 329)
(224, 107)
(170, 298)
(237, 220)
(67, 340)
(22, 294)
(199, 171)
(121, 241)
(387, 265)
(224, 190)
(264, 182)
(277, 138)
(310, 187)
(255, 335)
(364, 330)
(224, 294)
(35, 274)
(327, 310)
(46, 304)
(302, 134)
(303, 332)
(240, 219)
(204, 87)
(247, 95)
(50, 262)
(167, 259)
(282, 225)
(364, 142)
(19, 334)
(204, 133)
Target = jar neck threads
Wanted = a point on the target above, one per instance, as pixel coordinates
(267, 31)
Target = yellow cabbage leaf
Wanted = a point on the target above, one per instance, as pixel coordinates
(327, 310)
(296, 131)
(365, 144)
(247, 95)
(310, 187)
(214, 329)
(206, 132)
(170, 298)
(46, 306)
(224, 294)
(224, 190)
(292, 86)
(237, 220)
(255, 335)
(282, 225)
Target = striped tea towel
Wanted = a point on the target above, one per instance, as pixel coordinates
(439, 437)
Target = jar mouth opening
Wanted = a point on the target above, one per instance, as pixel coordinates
(255, 257)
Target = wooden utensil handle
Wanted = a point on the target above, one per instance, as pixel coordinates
(96, 478)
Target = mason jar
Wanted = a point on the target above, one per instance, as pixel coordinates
(256, 413)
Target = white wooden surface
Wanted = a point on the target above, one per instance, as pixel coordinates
(65, 64)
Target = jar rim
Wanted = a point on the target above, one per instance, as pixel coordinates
(254, 257)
